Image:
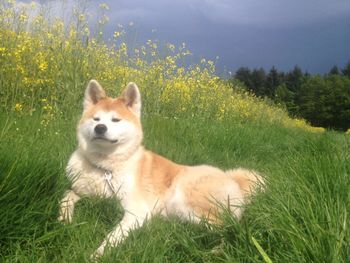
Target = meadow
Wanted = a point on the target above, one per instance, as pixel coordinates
(190, 116)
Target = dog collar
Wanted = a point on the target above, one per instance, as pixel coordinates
(108, 178)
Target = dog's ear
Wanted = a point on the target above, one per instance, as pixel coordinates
(132, 98)
(93, 93)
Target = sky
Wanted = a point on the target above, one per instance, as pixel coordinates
(313, 34)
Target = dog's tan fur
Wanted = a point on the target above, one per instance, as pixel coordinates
(145, 182)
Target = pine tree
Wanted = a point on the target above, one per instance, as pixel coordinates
(273, 80)
(334, 71)
(258, 80)
(243, 74)
(294, 79)
(346, 70)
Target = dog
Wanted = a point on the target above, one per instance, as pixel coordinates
(111, 161)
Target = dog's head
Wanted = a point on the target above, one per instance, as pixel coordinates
(110, 124)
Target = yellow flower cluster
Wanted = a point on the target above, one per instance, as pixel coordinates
(18, 107)
(45, 67)
(301, 123)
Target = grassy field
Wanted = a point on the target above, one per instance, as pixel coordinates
(190, 116)
(302, 216)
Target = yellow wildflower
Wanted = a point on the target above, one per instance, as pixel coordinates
(81, 18)
(18, 107)
(171, 47)
(104, 6)
(23, 17)
(116, 34)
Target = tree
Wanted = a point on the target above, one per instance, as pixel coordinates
(286, 97)
(294, 79)
(243, 74)
(334, 71)
(258, 80)
(346, 70)
(273, 80)
(325, 101)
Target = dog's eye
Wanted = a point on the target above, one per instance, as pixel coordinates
(96, 119)
(115, 119)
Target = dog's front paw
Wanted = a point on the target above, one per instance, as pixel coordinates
(97, 254)
(65, 216)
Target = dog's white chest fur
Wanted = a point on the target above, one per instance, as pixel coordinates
(88, 179)
(123, 179)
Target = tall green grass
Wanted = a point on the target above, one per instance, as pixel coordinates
(303, 216)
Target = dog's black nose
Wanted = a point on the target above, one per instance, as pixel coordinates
(100, 129)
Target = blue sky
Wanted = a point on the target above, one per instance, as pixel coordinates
(314, 34)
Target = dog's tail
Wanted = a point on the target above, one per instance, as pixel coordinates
(249, 181)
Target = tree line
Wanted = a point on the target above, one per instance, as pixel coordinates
(323, 100)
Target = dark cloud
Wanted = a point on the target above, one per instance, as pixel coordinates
(233, 12)
(313, 34)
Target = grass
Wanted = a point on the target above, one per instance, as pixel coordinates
(302, 217)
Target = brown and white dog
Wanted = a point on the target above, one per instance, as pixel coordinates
(111, 161)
